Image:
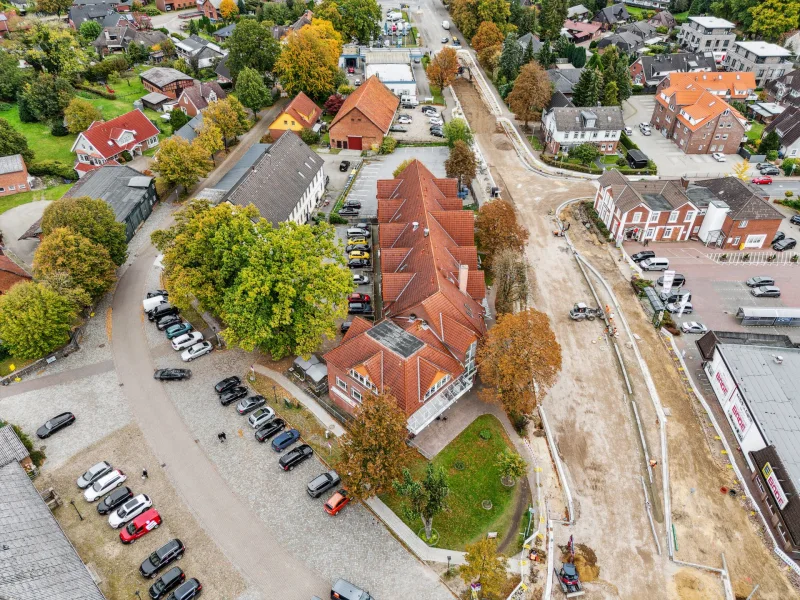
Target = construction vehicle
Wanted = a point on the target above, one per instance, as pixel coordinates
(569, 580)
(580, 312)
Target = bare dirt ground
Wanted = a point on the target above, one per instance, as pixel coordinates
(98, 544)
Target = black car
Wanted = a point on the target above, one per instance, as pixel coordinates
(270, 429)
(345, 326)
(250, 403)
(795, 220)
(58, 422)
(361, 247)
(358, 263)
(162, 310)
(437, 133)
(784, 244)
(770, 170)
(640, 256)
(352, 204)
(227, 383)
(172, 374)
(294, 457)
(359, 308)
(168, 581)
(186, 591)
(322, 483)
(344, 165)
(154, 293)
(232, 395)
(168, 321)
(114, 500)
(172, 550)
(348, 212)
(677, 281)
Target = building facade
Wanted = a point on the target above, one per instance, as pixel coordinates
(301, 113)
(766, 61)
(365, 117)
(652, 70)
(787, 126)
(14, 176)
(170, 5)
(196, 98)
(567, 127)
(166, 81)
(785, 90)
(707, 34)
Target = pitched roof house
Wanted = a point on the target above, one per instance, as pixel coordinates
(13, 175)
(785, 90)
(423, 352)
(104, 141)
(787, 126)
(663, 18)
(526, 40)
(197, 97)
(166, 80)
(199, 50)
(117, 39)
(625, 41)
(566, 127)
(651, 70)
(612, 15)
(581, 31)
(365, 116)
(10, 274)
(730, 85)
(302, 113)
(564, 80)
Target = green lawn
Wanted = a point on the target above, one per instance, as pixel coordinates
(467, 520)
(44, 145)
(436, 92)
(637, 13)
(18, 364)
(756, 129)
(53, 193)
(681, 18)
(609, 159)
(537, 145)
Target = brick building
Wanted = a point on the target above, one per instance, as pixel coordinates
(651, 70)
(170, 5)
(423, 351)
(197, 97)
(210, 8)
(730, 85)
(164, 80)
(13, 175)
(365, 117)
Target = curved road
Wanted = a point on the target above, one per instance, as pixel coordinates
(239, 533)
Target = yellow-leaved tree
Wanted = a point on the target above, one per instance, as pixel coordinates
(310, 60)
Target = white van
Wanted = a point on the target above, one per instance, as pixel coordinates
(149, 304)
(446, 25)
(408, 101)
(394, 16)
(654, 264)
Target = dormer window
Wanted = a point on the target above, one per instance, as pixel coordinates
(359, 373)
(442, 379)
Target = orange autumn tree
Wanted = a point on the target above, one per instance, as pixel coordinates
(443, 68)
(497, 229)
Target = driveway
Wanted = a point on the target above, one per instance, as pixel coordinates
(15, 222)
(172, 21)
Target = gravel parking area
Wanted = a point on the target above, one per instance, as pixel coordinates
(99, 545)
(418, 129)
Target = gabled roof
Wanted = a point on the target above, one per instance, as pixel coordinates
(226, 31)
(161, 76)
(526, 40)
(657, 65)
(189, 131)
(564, 80)
(103, 135)
(616, 13)
(375, 101)
(701, 111)
(663, 18)
(641, 29)
(304, 110)
(787, 124)
(625, 41)
(11, 164)
(657, 196)
(222, 68)
(577, 10)
(736, 84)
(11, 448)
(606, 118)
(201, 93)
(786, 89)
(121, 187)
(581, 27)
(744, 199)
(558, 99)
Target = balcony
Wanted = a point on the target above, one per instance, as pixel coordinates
(440, 402)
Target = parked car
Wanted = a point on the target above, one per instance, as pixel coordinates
(345, 327)
(172, 374)
(437, 133)
(232, 395)
(166, 583)
(764, 165)
(445, 39)
(628, 131)
(404, 119)
(360, 279)
(294, 457)
(778, 237)
(358, 254)
(94, 473)
(351, 70)
(196, 351)
(766, 291)
(104, 485)
(357, 297)
(270, 429)
(693, 327)
(676, 307)
(677, 281)
(671, 297)
(784, 244)
(795, 220)
(187, 340)
(456, 42)
(114, 500)
(168, 321)
(643, 126)
(171, 551)
(261, 417)
(130, 510)
(154, 293)
(322, 483)
(55, 424)
(344, 165)
(398, 128)
(763, 180)
(654, 264)
(758, 281)
(359, 308)
(770, 170)
(352, 204)
(337, 502)
(250, 403)
(357, 82)
(284, 440)
(361, 230)
(348, 212)
(353, 247)
(189, 589)
(436, 121)
(358, 263)
(161, 311)
(359, 239)
(140, 526)
(718, 156)
(640, 256)
(344, 589)
(227, 384)
(178, 330)
(428, 109)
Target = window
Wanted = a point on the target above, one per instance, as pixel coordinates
(637, 217)
(736, 241)
(689, 216)
(286, 121)
(667, 232)
(602, 146)
(363, 380)
(437, 386)
(673, 217)
(2, 189)
(22, 186)
(716, 137)
(356, 394)
(654, 216)
(648, 234)
(725, 137)
(341, 383)
(743, 224)
(12, 188)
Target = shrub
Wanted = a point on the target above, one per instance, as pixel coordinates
(126, 156)
(336, 219)
(789, 167)
(637, 89)
(485, 434)
(309, 136)
(621, 162)
(37, 456)
(601, 227)
(267, 139)
(585, 153)
(639, 285)
(53, 167)
(58, 129)
(772, 155)
(4, 106)
(627, 142)
(163, 30)
(151, 11)
(388, 145)
(102, 93)
(788, 193)
(592, 44)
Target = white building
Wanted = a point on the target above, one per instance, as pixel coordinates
(399, 78)
(707, 34)
(766, 61)
(566, 127)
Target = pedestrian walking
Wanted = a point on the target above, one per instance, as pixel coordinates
(144, 473)
(222, 437)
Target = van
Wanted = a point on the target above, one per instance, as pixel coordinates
(149, 304)
(408, 101)
(344, 590)
(358, 232)
(446, 25)
(394, 16)
(655, 264)
(140, 526)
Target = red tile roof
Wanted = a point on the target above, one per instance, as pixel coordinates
(374, 100)
(103, 135)
(9, 266)
(304, 110)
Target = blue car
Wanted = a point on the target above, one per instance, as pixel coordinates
(174, 331)
(284, 440)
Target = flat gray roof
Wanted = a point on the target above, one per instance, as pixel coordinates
(395, 338)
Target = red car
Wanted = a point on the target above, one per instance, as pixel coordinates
(358, 298)
(140, 526)
(763, 180)
(337, 502)
(351, 70)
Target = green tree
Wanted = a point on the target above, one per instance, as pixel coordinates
(545, 56)
(310, 60)
(88, 264)
(47, 97)
(93, 219)
(13, 142)
(137, 53)
(531, 94)
(528, 55)
(512, 465)
(251, 45)
(551, 19)
(209, 138)
(772, 18)
(469, 14)
(359, 19)
(611, 95)
(11, 77)
(230, 116)
(90, 30)
(523, 17)
(585, 153)
(81, 113)
(455, 130)
(56, 50)
(461, 163)
(485, 565)
(585, 91)
(623, 78)
(790, 167)
(771, 141)
(291, 292)
(53, 7)
(578, 57)
(177, 119)
(426, 498)
(180, 163)
(510, 57)
(251, 91)
(62, 284)
(35, 320)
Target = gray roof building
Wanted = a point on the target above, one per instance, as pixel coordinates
(577, 12)
(589, 119)
(189, 131)
(102, 12)
(785, 89)
(223, 34)
(11, 164)
(641, 29)
(663, 18)
(525, 40)
(162, 76)
(612, 15)
(625, 42)
(655, 68)
(11, 448)
(222, 70)
(559, 100)
(746, 201)
(662, 195)
(564, 80)
(787, 125)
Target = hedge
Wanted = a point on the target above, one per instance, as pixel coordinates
(55, 168)
(627, 142)
(650, 170)
(91, 90)
(601, 227)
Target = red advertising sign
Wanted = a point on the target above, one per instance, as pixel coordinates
(774, 486)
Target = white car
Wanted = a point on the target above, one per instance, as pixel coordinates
(186, 340)
(261, 417)
(693, 327)
(718, 156)
(435, 121)
(104, 485)
(196, 350)
(675, 307)
(404, 120)
(129, 511)
(93, 474)
(360, 279)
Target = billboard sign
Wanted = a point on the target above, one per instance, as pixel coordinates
(720, 379)
(669, 277)
(739, 416)
(774, 486)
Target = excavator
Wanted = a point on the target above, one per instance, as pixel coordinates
(580, 311)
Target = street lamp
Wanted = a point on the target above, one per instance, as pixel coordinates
(80, 516)
(275, 394)
(448, 563)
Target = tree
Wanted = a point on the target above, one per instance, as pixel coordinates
(250, 89)
(93, 219)
(81, 113)
(310, 60)
(51, 7)
(524, 19)
(229, 116)
(623, 78)
(177, 119)
(194, 29)
(740, 170)
(484, 564)
(251, 45)
(88, 264)
(772, 18)
(585, 91)
(209, 138)
(585, 153)
(578, 57)
(180, 163)
(457, 129)
(510, 275)
(487, 36)
(528, 55)
(402, 167)
(512, 466)
(789, 166)
(531, 93)
(62, 284)
(90, 30)
(426, 498)
(551, 19)
(771, 141)
(47, 97)
(55, 50)
(168, 48)
(11, 77)
(469, 14)
(228, 9)
(443, 68)
(610, 95)
(13, 142)
(496, 229)
(374, 450)
(461, 163)
(359, 19)
(510, 57)
(518, 360)
(333, 104)
(291, 291)
(546, 57)
(35, 320)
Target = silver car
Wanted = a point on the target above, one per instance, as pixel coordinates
(93, 474)
(197, 350)
(187, 340)
(261, 417)
(693, 327)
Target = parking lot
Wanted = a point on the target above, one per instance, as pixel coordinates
(419, 128)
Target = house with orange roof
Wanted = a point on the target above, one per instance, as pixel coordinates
(730, 85)
(365, 117)
(423, 351)
(302, 113)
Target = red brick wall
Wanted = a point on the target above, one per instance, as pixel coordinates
(210, 11)
(187, 106)
(731, 227)
(636, 69)
(709, 137)
(14, 179)
(8, 279)
(173, 90)
(175, 4)
(355, 124)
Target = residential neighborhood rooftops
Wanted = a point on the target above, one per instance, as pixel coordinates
(11, 164)
(120, 187)
(764, 49)
(374, 100)
(161, 76)
(616, 13)
(106, 137)
(746, 201)
(395, 339)
(664, 195)
(580, 27)
(589, 119)
(712, 22)
(787, 124)
(564, 80)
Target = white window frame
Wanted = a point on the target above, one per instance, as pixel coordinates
(654, 217)
(673, 217)
(689, 216)
(637, 217)
(341, 383)
(356, 395)
(743, 224)
(667, 232)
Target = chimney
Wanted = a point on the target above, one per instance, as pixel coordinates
(415, 225)
(426, 231)
(684, 183)
(463, 275)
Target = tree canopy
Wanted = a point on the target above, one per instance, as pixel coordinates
(531, 94)
(443, 68)
(469, 14)
(13, 142)
(47, 97)
(251, 91)
(461, 163)
(251, 45)
(497, 229)
(455, 130)
(487, 36)
(55, 50)
(229, 115)
(81, 113)
(426, 498)
(551, 20)
(310, 60)
(510, 57)
(180, 163)
(354, 19)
